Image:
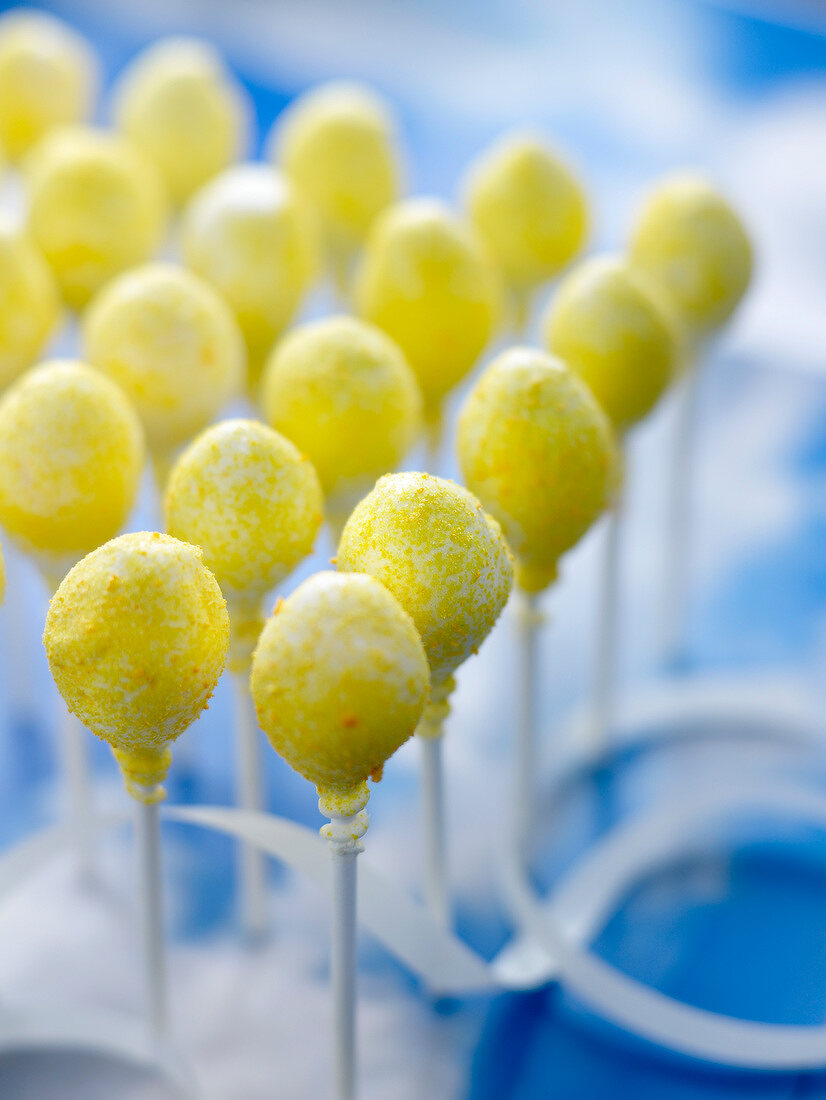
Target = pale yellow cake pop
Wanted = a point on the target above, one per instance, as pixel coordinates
(136, 638)
(429, 541)
(29, 303)
(71, 457)
(609, 325)
(181, 107)
(539, 452)
(529, 208)
(426, 280)
(96, 207)
(250, 234)
(339, 680)
(337, 143)
(173, 345)
(342, 391)
(691, 242)
(48, 78)
(253, 502)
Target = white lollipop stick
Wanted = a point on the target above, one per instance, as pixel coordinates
(253, 883)
(148, 851)
(679, 517)
(77, 782)
(605, 680)
(344, 834)
(525, 756)
(433, 801)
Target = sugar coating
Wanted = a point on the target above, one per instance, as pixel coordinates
(426, 280)
(528, 207)
(343, 392)
(172, 343)
(180, 106)
(136, 636)
(339, 680)
(431, 544)
(609, 325)
(48, 78)
(250, 500)
(96, 207)
(337, 144)
(539, 452)
(29, 303)
(253, 237)
(689, 240)
(71, 457)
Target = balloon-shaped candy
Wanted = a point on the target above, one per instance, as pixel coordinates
(609, 325)
(136, 638)
(540, 454)
(29, 303)
(339, 680)
(48, 78)
(96, 207)
(180, 106)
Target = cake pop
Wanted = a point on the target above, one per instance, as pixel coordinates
(529, 209)
(539, 451)
(136, 637)
(339, 679)
(96, 207)
(179, 105)
(431, 544)
(252, 236)
(337, 143)
(48, 78)
(253, 503)
(29, 303)
(172, 343)
(425, 279)
(342, 391)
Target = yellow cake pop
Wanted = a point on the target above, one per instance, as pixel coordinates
(136, 638)
(691, 242)
(426, 281)
(29, 303)
(173, 345)
(96, 207)
(339, 680)
(429, 541)
(253, 503)
(609, 325)
(337, 144)
(539, 452)
(180, 106)
(48, 78)
(71, 456)
(342, 391)
(250, 234)
(529, 209)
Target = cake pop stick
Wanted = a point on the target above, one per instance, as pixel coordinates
(96, 207)
(530, 210)
(180, 106)
(136, 637)
(431, 544)
(253, 503)
(338, 145)
(608, 325)
(339, 679)
(692, 244)
(426, 280)
(539, 451)
(252, 235)
(173, 345)
(71, 455)
(342, 391)
(48, 79)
